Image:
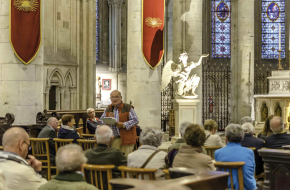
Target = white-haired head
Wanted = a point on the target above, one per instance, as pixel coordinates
(248, 127)
(277, 124)
(104, 134)
(234, 133)
(151, 136)
(70, 158)
(90, 109)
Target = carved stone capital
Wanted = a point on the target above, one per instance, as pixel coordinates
(116, 3)
(72, 89)
(47, 89)
(62, 89)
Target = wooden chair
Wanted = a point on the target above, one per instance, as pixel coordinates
(224, 166)
(128, 172)
(40, 150)
(96, 175)
(211, 150)
(87, 144)
(61, 142)
(80, 130)
(252, 148)
(1, 148)
(88, 136)
(166, 172)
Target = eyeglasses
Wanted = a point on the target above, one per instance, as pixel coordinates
(27, 143)
(112, 97)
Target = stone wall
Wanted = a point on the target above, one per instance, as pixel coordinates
(21, 86)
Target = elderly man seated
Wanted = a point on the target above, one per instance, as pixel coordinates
(103, 154)
(280, 136)
(148, 155)
(234, 152)
(180, 140)
(70, 160)
(251, 141)
(19, 172)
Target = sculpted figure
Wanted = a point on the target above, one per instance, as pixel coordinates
(186, 83)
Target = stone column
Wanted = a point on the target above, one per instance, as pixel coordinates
(143, 83)
(242, 61)
(115, 34)
(72, 98)
(47, 97)
(62, 89)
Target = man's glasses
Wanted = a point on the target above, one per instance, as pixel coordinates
(27, 143)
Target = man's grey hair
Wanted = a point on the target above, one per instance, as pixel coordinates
(69, 158)
(182, 127)
(234, 133)
(90, 109)
(277, 127)
(248, 127)
(103, 134)
(50, 120)
(151, 136)
(246, 119)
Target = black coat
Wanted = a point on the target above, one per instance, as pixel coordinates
(277, 140)
(250, 141)
(68, 134)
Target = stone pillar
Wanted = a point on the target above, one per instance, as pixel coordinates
(47, 97)
(143, 83)
(115, 34)
(242, 61)
(84, 54)
(72, 98)
(62, 89)
(187, 37)
(21, 86)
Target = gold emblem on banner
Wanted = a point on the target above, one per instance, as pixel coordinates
(153, 22)
(26, 5)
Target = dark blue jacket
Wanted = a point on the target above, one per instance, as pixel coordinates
(68, 134)
(250, 141)
(277, 140)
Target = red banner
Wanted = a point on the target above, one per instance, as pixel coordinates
(25, 28)
(152, 31)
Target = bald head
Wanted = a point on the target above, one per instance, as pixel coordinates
(104, 134)
(116, 92)
(277, 124)
(13, 136)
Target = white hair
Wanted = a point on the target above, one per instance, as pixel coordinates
(277, 124)
(246, 119)
(50, 120)
(69, 158)
(248, 127)
(90, 109)
(234, 133)
(182, 127)
(103, 134)
(151, 136)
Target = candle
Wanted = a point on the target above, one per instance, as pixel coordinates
(279, 36)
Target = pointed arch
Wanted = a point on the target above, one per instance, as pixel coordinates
(69, 76)
(59, 74)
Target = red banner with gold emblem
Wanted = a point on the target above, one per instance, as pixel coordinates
(25, 28)
(152, 31)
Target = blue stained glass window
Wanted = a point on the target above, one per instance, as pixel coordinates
(273, 15)
(97, 30)
(221, 28)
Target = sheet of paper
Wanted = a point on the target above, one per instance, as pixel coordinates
(109, 120)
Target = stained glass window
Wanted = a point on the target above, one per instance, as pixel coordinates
(273, 15)
(221, 28)
(97, 30)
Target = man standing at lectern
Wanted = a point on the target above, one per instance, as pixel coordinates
(125, 129)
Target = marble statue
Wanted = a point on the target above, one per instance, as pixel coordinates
(186, 82)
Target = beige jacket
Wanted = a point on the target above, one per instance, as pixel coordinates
(19, 176)
(212, 140)
(192, 157)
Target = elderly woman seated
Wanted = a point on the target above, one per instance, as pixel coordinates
(210, 127)
(150, 139)
(190, 155)
(234, 152)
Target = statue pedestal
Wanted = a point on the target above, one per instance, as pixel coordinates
(184, 110)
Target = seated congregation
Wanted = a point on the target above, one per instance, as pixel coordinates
(70, 166)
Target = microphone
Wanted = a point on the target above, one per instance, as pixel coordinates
(113, 109)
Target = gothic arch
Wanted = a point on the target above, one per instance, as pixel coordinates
(69, 76)
(59, 74)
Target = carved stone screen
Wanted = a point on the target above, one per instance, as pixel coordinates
(221, 28)
(97, 30)
(273, 15)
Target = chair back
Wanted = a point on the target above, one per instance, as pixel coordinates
(87, 144)
(61, 142)
(40, 150)
(210, 150)
(80, 130)
(1, 148)
(138, 173)
(88, 136)
(228, 166)
(99, 175)
(252, 148)
(166, 172)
